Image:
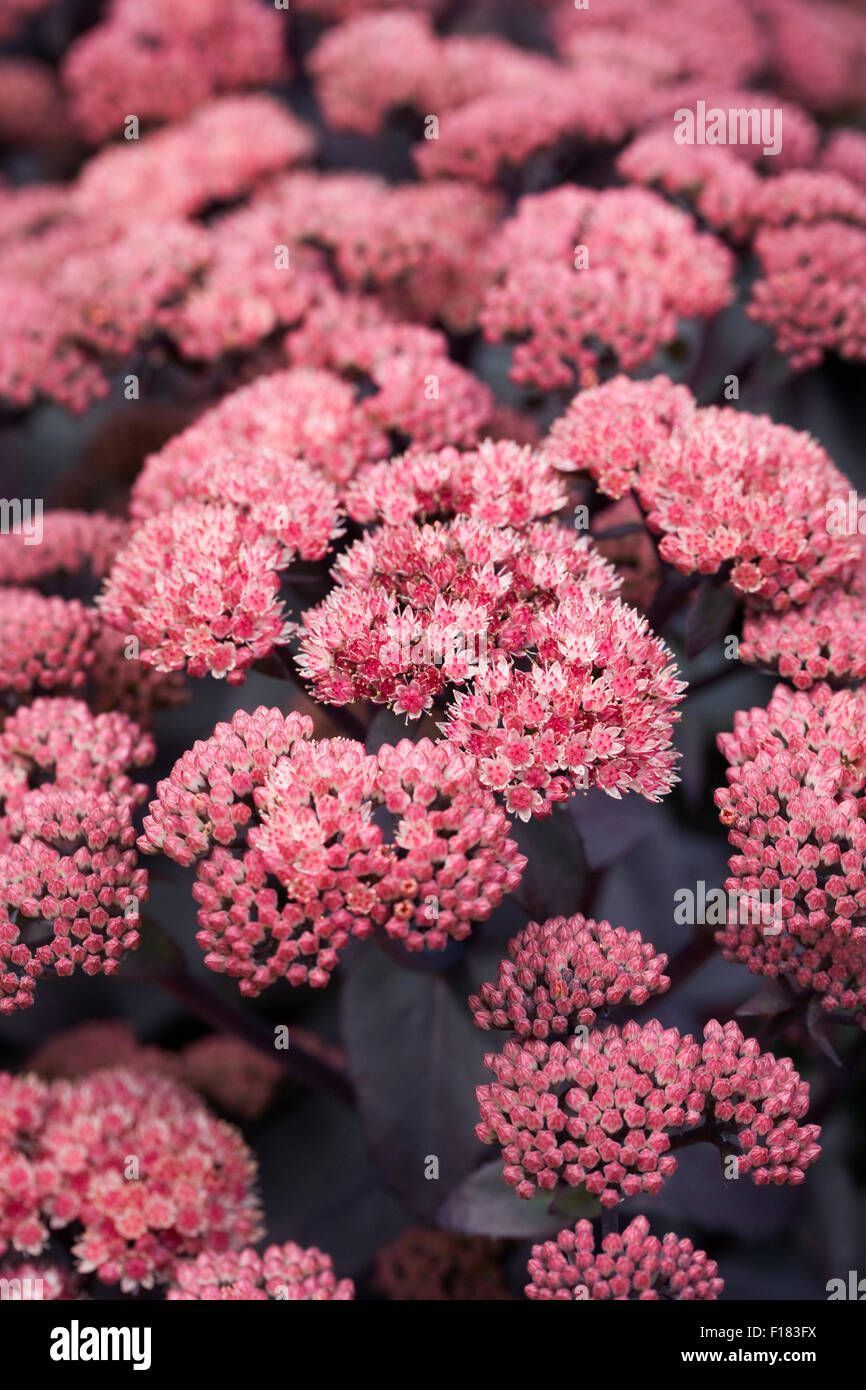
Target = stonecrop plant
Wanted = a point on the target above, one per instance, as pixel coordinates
(432, 635)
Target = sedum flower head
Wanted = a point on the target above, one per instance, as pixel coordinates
(630, 1266)
(565, 971)
(282, 1272)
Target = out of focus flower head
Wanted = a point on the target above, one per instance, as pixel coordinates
(65, 1151)
(282, 1272)
(301, 413)
(629, 1266)
(164, 62)
(45, 644)
(441, 1267)
(70, 542)
(578, 273)
(676, 39)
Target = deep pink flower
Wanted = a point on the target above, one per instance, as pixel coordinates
(565, 971)
(630, 1266)
(824, 639)
(603, 1112)
(453, 860)
(282, 1272)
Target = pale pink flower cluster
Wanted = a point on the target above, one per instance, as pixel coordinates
(605, 1113)
(500, 483)
(163, 62)
(292, 862)
(578, 273)
(566, 971)
(71, 542)
(630, 1266)
(39, 1281)
(286, 1272)
(66, 1151)
(418, 608)
(675, 40)
(302, 413)
(728, 491)
(596, 707)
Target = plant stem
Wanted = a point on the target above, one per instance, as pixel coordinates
(297, 1060)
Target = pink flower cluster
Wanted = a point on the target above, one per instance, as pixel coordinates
(500, 483)
(605, 1113)
(133, 1162)
(596, 707)
(71, 542)
(124, 249)
(232, 1074)
(39, 1281)
(681, 39)
(45, 643)
(70, 889)
(729, 492)
(416, 608)
(292, 863)
(283, 1272)
(578, 272)
(630, 1266)
(793, 808)
(164, 63)
(198, 584)
(564, 972)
